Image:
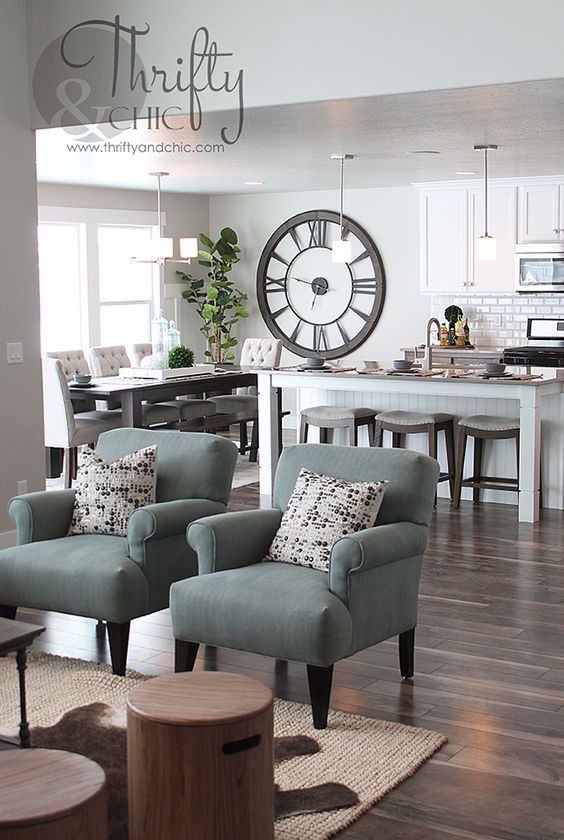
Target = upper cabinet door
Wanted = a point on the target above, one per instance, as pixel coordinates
(539, 213)
(497, 275)
(444, 240)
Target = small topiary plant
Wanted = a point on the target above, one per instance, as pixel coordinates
(180, 357)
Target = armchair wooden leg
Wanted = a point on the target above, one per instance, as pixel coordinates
(406, 653)
(319, 680)
(7, 612)
(118, 637)
(185, 654)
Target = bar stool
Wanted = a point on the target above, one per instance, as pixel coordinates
(482, 427)
(329, 417)
(403, 423)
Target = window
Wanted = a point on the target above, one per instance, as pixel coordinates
(91, 292)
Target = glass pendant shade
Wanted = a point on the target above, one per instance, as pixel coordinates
(189, 248)
(341, 251)
(486, 250)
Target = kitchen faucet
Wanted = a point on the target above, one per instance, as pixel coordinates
(427, 362)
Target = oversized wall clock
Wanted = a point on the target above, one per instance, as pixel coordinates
(317, 307)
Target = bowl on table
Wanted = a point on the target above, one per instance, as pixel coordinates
(314, 362)
(402, 364)
(495, 368)
(82, 378)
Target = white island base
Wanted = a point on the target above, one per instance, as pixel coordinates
(538, 403)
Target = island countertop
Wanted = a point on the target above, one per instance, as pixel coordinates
(456, 395)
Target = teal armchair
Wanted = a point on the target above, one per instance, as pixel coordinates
(115, 578)
(292, 612)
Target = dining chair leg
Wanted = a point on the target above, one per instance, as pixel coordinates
(243, 439)
(461, 451)
(478, 458)
(253, 454)
(68, 468)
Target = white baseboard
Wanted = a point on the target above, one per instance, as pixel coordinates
(7, 539)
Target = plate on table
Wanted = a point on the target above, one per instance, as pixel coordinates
(78, 385)
(496, 375)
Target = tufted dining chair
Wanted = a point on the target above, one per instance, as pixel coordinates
(243, 405)
(63, 428)
(106, 361)
(73, 361)
(191, 408)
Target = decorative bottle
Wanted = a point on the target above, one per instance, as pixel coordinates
(173, 338)
(159, 328)
(459, 333)
(444, 335)
(467, 341)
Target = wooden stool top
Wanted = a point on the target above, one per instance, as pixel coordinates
(44, 785)
(202, 698)
(17, 634)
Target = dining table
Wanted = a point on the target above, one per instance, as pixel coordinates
(130, 392)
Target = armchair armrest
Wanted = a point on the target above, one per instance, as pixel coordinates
(165, 519)
(371, 548)
(45, 515)
(233, 540)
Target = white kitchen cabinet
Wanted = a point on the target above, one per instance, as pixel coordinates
(498, 275)
(444, 240)
(541, 212)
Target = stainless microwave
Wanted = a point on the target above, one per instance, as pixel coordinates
(539, 268)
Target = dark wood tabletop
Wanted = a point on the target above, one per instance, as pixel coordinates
(15, 635)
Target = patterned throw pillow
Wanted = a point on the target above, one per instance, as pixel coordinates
(107, 492)
(321, 510)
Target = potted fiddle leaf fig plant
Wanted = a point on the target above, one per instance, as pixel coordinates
(219, 303)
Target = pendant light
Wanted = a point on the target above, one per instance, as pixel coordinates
(485, 244)
(160, 250)
(341, 248)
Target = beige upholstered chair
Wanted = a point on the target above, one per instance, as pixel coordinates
(191, 408)
(106, 361)
(243, 405)
(73, 361)
(64, 429)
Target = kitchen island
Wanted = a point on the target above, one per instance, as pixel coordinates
(530, 400)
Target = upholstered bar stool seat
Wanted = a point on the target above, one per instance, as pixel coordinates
(402, 423)
(329, 417)
(483, 427)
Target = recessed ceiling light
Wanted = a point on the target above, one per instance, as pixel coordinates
(466, 172)
(254, 183)
(423, 152)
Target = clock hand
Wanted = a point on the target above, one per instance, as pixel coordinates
(299, 279)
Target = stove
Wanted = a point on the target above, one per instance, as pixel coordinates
(545, 345)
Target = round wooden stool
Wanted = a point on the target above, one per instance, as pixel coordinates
(51, 795)
(199, 758)
(329, 417)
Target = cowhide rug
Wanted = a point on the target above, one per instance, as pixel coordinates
(98, 732)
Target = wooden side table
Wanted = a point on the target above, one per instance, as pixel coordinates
(18, 635)
(199, 758)
(51, 795)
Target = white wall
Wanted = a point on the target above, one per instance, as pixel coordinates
(299, 51)
(21, 411)
(390, 217)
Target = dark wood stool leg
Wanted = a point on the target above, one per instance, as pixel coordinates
(478, 455)
(460, 465)
(371, 428)
(451, 461)
(185, 654)
(352, 433)
(323, 434)
(303, 429)
(319, 680)
(378, 433)
(407, 653)
(432, 435)
(397, 442)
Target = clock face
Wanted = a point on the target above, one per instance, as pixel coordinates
(318, 307)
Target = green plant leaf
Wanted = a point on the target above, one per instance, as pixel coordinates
(229, 235)
(205, 240)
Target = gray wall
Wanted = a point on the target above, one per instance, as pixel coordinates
(21, 413)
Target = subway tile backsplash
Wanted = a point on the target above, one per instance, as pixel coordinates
(500, 321)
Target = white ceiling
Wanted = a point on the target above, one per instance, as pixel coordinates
(289, 147)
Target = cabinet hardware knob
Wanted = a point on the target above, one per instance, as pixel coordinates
(557, 230)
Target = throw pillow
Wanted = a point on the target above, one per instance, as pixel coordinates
(321, 510)
(107, 492)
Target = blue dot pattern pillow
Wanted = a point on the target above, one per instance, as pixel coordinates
(107, 492)
(320, 511)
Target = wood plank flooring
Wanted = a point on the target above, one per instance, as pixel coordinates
(489, 673)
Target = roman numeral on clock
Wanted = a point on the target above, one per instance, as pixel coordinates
(297, 328)
(272, 284)
(279, 312)
(318, 233)
(364, 286)
(276, 256)
(319, 338)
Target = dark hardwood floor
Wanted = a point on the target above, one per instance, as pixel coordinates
(489, 673)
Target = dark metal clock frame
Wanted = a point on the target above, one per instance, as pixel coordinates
(367, 283)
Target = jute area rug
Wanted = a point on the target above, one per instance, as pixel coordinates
(370, 757)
